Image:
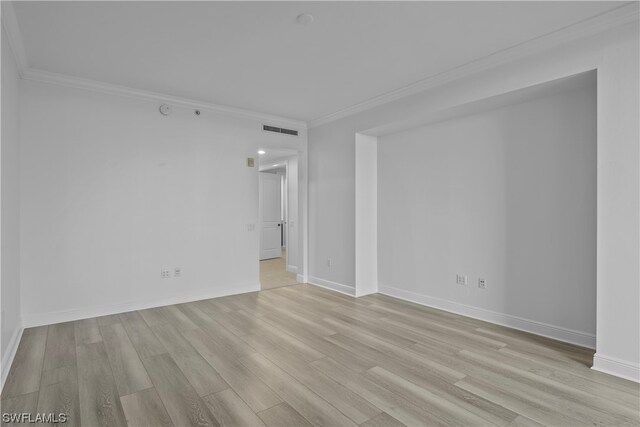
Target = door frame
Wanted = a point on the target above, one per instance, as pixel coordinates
(301, 222)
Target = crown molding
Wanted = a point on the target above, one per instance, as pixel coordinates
(10, 23)
(622, 15)
(42, 76)
(616, 17)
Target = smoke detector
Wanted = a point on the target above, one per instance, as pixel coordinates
(165, 110)
(305, 19)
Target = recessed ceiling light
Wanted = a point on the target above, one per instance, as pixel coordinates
(274, 166)
(261, 152)
(305, 19)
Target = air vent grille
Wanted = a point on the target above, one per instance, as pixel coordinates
(279, 130)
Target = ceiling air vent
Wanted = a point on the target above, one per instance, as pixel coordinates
(279, 130)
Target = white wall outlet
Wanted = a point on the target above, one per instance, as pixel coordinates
(482, 283)
(165, 273)
(177, 272)
(461, 279)
(329, 262)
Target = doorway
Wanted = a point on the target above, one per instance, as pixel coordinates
(277, 211)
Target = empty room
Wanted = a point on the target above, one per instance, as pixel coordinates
(323, 213)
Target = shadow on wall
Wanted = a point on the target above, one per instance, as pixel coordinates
(506, 194)
(550, 211)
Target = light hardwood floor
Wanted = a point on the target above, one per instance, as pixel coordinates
(302, 355)
(274, 274)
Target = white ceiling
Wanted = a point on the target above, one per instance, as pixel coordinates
(253, 55)
(274, 156)
(422, 118)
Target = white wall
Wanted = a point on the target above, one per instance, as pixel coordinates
(614, 54)
(112, 192)
(332, 205)
(293, 249)
(366, 215)
(10, 209)
(508, 195)
(618, 329)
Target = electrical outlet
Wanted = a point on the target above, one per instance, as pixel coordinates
(461, 279)
(165, 274)
(177, 272)
(482, 283)
(329, 262)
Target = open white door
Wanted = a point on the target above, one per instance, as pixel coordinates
(270, 222)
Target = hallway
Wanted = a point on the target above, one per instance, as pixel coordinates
(273, 273)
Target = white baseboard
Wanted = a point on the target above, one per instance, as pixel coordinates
(7, 358)
(39, 319)
(614, 366)
(580, 338)
(292, 269)
(368, 292)
(300, 278)
(344, 289)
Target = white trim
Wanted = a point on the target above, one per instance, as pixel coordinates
(10, 23)
(624, 14)
(300, 278)
(113, 89)
(27, 73)
(292, 269)
(7, 360)
(303, 214)
(610, 19)
(614, 366)
(334, 286)
(559, 333)
(96, 311)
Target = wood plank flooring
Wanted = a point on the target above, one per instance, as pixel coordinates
(305, 356)
(274, 274)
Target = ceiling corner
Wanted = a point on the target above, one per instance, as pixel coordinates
(619, 16)
(10, 24)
